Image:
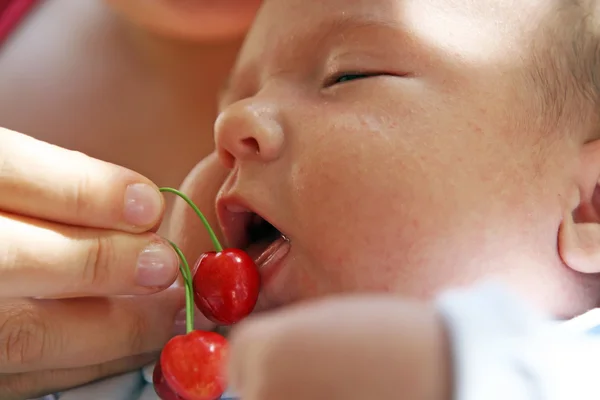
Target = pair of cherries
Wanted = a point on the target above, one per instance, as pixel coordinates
(224, 287)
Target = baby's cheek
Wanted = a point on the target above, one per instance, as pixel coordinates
(343, 252)
(352, 267)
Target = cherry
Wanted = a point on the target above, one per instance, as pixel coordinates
(193, 365)
(226, 282)
(161, 386)
(226, 285)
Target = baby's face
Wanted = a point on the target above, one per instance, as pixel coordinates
(390, 141)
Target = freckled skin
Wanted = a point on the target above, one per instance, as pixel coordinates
(412, 181)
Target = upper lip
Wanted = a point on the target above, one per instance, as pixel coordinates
(235, 214)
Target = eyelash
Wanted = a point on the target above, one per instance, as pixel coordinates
(340, 78)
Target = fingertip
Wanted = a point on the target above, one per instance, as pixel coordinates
(240, 338)
(157, 266)
(245, 343)
(144, 206)
(234, 368)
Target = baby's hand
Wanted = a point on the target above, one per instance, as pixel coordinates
(350, 348)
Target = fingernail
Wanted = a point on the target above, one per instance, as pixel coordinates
(157, 265)
(143, 205)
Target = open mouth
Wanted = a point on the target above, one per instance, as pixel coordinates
(249, 231)
(263, 240)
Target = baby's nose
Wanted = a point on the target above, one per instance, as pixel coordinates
(248, 130)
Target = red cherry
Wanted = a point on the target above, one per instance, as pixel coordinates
(161, 387)
(226, 285)
(193, 365)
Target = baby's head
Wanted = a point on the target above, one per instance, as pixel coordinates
(410, 145)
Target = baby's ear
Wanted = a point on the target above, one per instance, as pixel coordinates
(579, 232)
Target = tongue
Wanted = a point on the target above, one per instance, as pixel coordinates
(263, 249)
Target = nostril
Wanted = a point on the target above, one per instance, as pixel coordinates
(251, 145)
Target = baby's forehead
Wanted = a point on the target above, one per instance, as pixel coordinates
(474, 25)
(294, 31)
(405, 9)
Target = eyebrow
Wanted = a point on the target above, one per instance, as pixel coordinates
(340, 24)
(345, 23)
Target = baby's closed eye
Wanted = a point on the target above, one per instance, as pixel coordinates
(349, 76)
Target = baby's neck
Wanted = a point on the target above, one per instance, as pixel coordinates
(554, 288)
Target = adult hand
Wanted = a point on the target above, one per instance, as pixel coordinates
(191, 20)
(74, 234)
(355, 348)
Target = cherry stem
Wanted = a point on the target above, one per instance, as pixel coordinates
(211, 233)
(186, 273)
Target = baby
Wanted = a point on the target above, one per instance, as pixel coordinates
(407, 147)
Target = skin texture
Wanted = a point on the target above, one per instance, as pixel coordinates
(433, 169)
(371, 347)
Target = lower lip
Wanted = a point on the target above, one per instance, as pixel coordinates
(270, 262)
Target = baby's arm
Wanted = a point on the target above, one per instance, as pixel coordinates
(480, 344)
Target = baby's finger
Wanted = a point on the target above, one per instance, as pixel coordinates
(38, 335)
(253, 344)
(45, 181)
(36, 384)
(42, 259)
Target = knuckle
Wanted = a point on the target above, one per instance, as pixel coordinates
(23, 338)
(79, 200)
(78, 195)
(97, 265)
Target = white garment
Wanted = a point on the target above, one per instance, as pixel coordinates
(502, 350)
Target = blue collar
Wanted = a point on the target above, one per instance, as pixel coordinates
(595, 330)
(588, 322)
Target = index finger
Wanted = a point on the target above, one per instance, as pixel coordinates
(43, 181)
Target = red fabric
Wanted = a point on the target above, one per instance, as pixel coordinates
(11, 14)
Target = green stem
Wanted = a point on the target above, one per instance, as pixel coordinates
(186, 273)
(211, 233)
